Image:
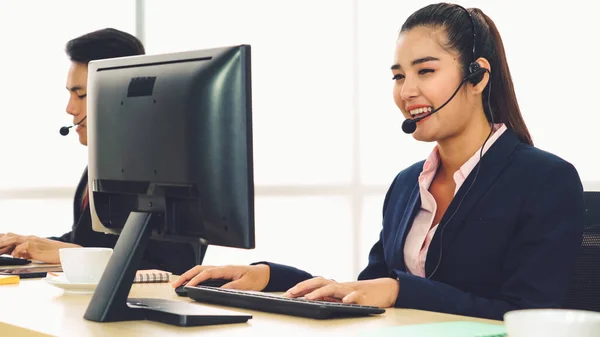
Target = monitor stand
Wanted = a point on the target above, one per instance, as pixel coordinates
(110, 303)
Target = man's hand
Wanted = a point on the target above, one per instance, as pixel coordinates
(381, 292)
(32, 247)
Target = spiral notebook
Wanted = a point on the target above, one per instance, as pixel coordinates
(152, 276)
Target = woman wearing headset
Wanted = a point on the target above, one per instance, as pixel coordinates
(488, 223)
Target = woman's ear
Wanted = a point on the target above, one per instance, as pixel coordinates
(478, 88)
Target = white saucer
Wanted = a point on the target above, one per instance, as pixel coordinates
(61, 281)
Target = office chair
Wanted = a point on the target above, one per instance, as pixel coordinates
(584, 288)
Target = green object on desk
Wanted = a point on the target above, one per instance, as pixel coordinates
(442, 329)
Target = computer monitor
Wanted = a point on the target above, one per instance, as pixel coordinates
(170, 157)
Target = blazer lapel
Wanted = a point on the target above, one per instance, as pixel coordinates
(492, 164)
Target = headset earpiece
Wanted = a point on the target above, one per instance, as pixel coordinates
(473, 67)
(475, 73)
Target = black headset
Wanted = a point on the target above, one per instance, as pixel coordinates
(475, 70)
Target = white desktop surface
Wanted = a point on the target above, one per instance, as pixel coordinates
(35, 308)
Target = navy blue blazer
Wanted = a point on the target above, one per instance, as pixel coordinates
(512, 244)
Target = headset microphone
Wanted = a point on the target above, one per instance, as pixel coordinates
(476, 75)
(65, 129)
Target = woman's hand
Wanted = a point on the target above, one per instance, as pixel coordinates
(242, 277)
(381, 292)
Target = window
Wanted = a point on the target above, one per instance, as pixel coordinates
(307, 232)
(39, 216)
(303, 72)
(302, 77)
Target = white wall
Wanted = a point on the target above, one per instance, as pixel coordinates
(327, 134)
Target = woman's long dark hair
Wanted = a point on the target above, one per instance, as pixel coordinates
(488, 44)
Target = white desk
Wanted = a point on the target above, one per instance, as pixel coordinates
(35, 308)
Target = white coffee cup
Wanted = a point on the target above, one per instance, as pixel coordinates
(552, 323)
(84, 264)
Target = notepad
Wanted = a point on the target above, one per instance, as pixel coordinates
(442, 329)
(151, 276)
(9, 279)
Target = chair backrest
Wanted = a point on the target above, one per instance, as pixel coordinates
(584, 289)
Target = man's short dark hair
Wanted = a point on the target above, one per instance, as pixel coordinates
(103, 44)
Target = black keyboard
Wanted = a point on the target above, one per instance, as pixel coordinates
(278, 304)
(13, 261)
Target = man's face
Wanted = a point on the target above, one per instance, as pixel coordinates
(77, 86)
